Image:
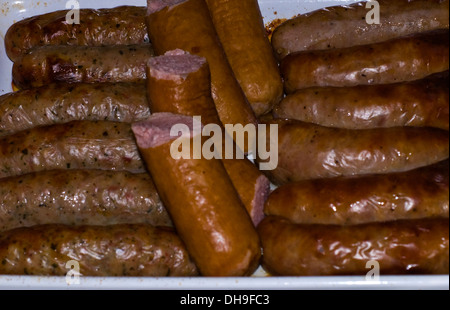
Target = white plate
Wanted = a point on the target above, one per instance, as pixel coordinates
(14, 10)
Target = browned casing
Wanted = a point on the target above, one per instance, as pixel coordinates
(398, 60)
(400, 247)
(418, 194)
(103, 251)
(121, 25)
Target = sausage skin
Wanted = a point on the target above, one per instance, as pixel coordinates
(204, 206)
(123, 25)
(75, 145)
(59, 103)
(81, 64)
(400, 247)
(180, 83)
(80, 197)
(398, 60)
(418, 194)
(239, 25)
(101, 251)
(423, 103)
(345, 26)
(307, 151)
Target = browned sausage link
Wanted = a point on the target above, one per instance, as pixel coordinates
(120, 25)
(240, 27)
(398, 60)
(180, 83)
(400, 247)
(106, 251)
(203, 204)
(417, 194)
(75, 145)
(58, 103)
(308, 151)
(422, 103)
(187, 25)
(81, 64)
(345, 26)
(80, 197)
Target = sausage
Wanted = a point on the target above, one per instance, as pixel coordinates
(101, 251)
(239, 25)
(180, 83)
(121, 25)
(198, 194)
(81, 64)
(307, 151)
(422, 103)
(80, 197)
(399, 247)
(418, 194)
(74, 145)
(398, 60)
(345, 26)
(187, 25)
(58, 103)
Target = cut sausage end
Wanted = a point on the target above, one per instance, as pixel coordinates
(262, 191)
(154, 6)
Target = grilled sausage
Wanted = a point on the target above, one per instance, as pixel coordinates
(345, 26)
(239, 25)
(418, 194)
(180, 83)
(400, 247)
(398, 60)
(106, 251)
(75, 145)
(187, 25)
(61, 103)
(307, 151)
(422, 103)
(80, 197)
(121, 25)
(203, 204)
(81, 64)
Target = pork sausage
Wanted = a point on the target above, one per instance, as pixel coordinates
(345, 26)
(399, 247)
(422, 103)
(80, 197)
(58, 103)
(74, 145)
(417, 194)
(307, 151)
(101, 251)
(121, 25)
(204, 206)
(239, 25)
(398, 60)
(81, 64)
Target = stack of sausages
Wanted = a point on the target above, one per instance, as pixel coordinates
(363, 143)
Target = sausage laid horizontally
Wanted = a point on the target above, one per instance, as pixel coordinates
(347, 25)
(187, 25)
(180, 83)
(74, 145)
(400, 247)
(81, 64)
(99, 251)
(80, 197)
(418, 194)
(241, 30)
(308, 151)
(423, 103)
(58, 103)
(121, 25)
(398, 60)
(204, 206)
